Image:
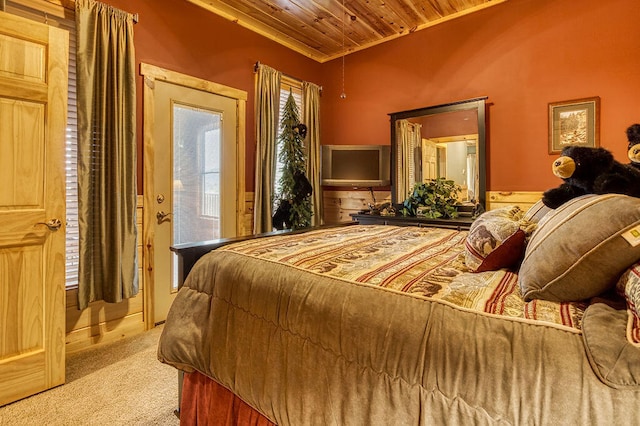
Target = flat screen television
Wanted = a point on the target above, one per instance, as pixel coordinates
(356, 165)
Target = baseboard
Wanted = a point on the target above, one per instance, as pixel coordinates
(104, 332)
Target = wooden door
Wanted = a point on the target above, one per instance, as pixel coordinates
(194, 173)
(33, 104)
(429, 160)
(195, 178)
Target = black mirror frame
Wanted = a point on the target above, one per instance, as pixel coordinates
(475, 103)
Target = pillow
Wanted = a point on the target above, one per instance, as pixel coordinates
(496, 240)
(629, 286)
(536, 212)
(580, 249)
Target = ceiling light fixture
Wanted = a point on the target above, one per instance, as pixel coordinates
(343, 95)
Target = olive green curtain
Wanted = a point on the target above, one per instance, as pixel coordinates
(311, 111)
(267, 107)
(106, 96)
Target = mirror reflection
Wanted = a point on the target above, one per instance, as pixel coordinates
(441, 141)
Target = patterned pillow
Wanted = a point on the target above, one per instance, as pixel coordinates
(497, 239)
(629, 286)
(580, 249)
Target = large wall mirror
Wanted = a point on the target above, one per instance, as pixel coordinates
(440, 141)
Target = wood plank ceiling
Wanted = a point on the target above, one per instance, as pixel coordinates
(314, 28)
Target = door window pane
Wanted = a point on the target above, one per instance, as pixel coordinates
(197, 136)
(211, 174)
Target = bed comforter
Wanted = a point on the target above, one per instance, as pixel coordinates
(384, 325)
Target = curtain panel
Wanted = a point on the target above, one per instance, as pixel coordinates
(408, 141)
(311, 112)
(108, 264)
(267, 108)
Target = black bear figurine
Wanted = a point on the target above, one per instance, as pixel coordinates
(586, 170)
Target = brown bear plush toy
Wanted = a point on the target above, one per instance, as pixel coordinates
(587, 170)
(633, 136)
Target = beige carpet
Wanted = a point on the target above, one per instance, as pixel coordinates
(121, 383)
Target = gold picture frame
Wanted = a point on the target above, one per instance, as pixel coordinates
(575, 122)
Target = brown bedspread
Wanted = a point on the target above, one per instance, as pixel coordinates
(320, 346)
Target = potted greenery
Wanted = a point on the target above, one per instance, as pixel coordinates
(435, 198)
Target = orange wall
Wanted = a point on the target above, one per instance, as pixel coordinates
(182, 37)
(522, 54)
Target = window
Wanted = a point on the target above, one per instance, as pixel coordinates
(211, 174)
(64, 19)
(72, 251)
(196, 155)
(294, 87)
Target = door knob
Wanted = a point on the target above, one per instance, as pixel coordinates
(53, 224)
(162, 216)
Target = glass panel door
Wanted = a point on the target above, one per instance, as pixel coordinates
(194, 156)
(197, 136)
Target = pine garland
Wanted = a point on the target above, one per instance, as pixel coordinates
(292, 157)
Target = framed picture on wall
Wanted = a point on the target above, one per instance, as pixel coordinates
(575, 122)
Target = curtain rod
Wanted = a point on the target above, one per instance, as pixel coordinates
(58, 5)
(257, 65)
(71, 5)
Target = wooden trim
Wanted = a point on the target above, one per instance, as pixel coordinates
(244, 19)
(185, 80)
(247, 21)
(151, 74)
(240, 167)
(104, 332)
(523, 199)
(98, 312)
(58, 8)
(446, 139)
(417, 28)
(106, 322)
(66, 4)
(148, 229)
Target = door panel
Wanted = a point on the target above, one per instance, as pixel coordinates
(33, 100)
(195, 177)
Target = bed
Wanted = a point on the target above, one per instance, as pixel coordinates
(382, 324)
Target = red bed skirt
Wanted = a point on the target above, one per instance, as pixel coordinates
(205, 402)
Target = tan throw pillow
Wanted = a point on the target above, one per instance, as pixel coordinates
(496, 239)
(536, 212)
(580, 249)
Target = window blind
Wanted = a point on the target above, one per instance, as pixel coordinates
(64, 19)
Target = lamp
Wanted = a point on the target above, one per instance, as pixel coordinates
(343, 95)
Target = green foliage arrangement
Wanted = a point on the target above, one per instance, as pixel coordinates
(435, 198)
(292, 157)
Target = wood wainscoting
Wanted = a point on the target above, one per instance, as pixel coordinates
(106, 322)
(245, 217)
(524, 200)
(338, 205)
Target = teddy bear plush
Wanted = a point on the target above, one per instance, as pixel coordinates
(282, 217)
(586, 170)
(301, 189)
(633, 148)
